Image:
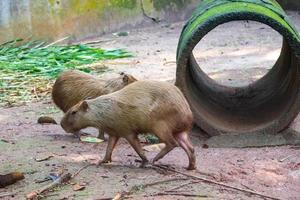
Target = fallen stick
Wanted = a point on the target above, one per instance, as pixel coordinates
(217, 183)
(55, 42)
(163, 181)
(283, 159)
(132, 189)
(6, 195)
(82, 168)
(97, 41)
(177, 194)
(182, 185)
(61, 180)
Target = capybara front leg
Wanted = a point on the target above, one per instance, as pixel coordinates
(184, 142)
(112, 141)
(135, 143)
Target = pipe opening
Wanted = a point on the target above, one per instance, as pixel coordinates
(233, 55)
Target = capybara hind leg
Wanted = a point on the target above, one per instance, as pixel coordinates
(101, 135)
(184, 142)
(135, 143)
(163, 152)
(112, 141)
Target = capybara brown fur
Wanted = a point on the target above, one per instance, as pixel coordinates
(152, 107)
(73, 86)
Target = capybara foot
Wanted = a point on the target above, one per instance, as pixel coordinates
(104, 161)
(191, 167)
(144, 164)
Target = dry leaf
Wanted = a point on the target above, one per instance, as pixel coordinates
(43, 159)
(78, 187)
(154, 147)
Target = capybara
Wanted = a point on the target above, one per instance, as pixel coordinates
(73, 86)
(152, 107)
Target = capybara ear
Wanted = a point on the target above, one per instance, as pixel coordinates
(125, 78)
(122, 73)
(84, 106)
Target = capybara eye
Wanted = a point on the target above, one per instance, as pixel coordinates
(73, 112)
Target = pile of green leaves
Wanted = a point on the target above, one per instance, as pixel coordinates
(27, 71)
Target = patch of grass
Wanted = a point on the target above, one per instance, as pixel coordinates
(27, 71)
(151, 139)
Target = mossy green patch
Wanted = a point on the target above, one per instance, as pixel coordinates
(129, 4)
(167, 4)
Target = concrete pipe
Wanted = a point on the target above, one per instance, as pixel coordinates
(269, 104)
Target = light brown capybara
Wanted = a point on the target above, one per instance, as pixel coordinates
(152, 107)
(73, 86)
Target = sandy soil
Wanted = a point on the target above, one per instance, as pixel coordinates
(273, 171)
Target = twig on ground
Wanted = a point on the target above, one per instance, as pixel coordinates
(177, 194)
(7, 141)
(246, 186)
(35, 93)
(96, 41)
(43, 159)
(169, 62)
(123, 194)
(145, 15)
(7, 194)
(61, 180)
(182, 185)
(163, 181)
(82, 168)
(217, 183)
(55, 42)
(287, 157)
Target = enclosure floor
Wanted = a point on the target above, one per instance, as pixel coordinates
(274, 171)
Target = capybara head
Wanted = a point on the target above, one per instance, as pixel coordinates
(74, 118)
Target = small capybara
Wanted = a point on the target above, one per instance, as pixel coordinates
(73, 86)
(152, 107)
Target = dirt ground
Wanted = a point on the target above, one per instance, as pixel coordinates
(230, 56)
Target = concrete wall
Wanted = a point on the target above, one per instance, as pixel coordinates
(54, 19)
